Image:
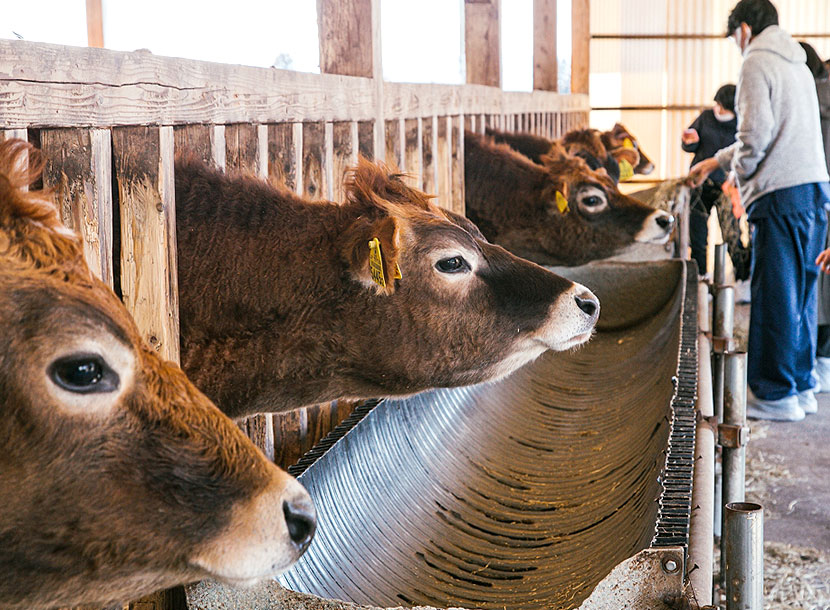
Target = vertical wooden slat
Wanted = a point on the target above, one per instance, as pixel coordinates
(260, 429)
(482, 123)
(328, 159)
(262, 151)
(393, 143)
(8, 134)
(443, 162)
(290, 432)
(314, 160)
(366, 138)
(412, 152)
(581, 45)
(545, 62)
(193, 140)
(241, 147)
(481, 40)
(470, 122)
(344, 156)
(78, 168)
(428, 154)
(149, 281)
(458, 165)
(218, 149)
(282, 158)
(94, 24)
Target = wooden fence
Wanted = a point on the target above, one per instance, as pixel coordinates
(110, 124)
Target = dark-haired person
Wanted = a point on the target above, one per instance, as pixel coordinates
(778, 163)
(822, 79)
(711, 131)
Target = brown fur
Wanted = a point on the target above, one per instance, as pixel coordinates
(613, 141)
(97, 507)
(512, 200)
(278, 311)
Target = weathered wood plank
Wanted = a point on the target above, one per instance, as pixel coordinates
(481, 39)
(193, 140)
(78, 168)
(149, 280)
(443, 162)
(580, 45)
(413, 156)
(260, 429)
(344, 155)
(366, 139)
(290, 432)
(241, 147)
(457, 152)
(282, 157)
(314, 159)
(345, 34)
(8, 134)
(394, 154)
(545, 62)
(262, 151)
(428, 172)
(94, 23)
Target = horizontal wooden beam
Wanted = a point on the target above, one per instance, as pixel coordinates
(684, 36)
(44, 85)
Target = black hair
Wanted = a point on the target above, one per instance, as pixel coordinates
(725, 96)
(757, 14)
(817, 67)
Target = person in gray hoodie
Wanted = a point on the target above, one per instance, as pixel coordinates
(778, 164)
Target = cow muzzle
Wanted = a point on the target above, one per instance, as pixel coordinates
(572, 319)
(657, 228)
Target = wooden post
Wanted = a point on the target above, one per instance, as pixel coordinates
(241, 147)
(149, 279)
(581, 45)
(482, 42)
(94, 24)
(545, 63)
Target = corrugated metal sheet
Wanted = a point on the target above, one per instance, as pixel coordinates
(674, 73)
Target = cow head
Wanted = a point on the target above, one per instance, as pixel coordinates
(618, 139)
(560, 213)
(117, 476)
(462, 309)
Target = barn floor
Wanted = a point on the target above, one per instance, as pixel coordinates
(787, 472)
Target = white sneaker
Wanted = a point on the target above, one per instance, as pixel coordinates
(822, 373)
(807, 401)
(782, 409)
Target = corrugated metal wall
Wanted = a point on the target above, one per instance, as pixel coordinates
(656, 63)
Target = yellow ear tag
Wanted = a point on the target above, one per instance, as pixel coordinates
(376, 263)
(627, 143)
(398, 275)
(561, 203)
(626, 171)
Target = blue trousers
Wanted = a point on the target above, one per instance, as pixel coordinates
(788, 229)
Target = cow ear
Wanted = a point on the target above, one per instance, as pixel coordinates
(371, 250)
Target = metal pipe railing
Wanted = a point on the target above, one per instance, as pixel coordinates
(744, 551)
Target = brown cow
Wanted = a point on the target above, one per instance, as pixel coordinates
(117, 476)
(619, 137)
(279, 308)
(558, 213)
(584, 143)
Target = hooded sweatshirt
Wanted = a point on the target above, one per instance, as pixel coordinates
(779, 135)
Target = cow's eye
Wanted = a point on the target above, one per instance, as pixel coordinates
(455, 264)
(592, 200)
(83, 374)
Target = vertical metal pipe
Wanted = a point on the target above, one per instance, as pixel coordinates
(744, 549)
(719, 275)
(732, 437)
(682, 208)
(723, 323)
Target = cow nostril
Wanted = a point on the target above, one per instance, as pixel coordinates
(301, 523)
(665, 221)
(589, 305)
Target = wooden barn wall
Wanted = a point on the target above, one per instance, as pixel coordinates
(655, 68)
(111, 123)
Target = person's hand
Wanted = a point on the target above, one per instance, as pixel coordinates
(730, 187)
(823, 261)
(690, 136)
(700, 171)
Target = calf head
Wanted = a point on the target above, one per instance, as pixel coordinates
(618, 139)
(117, 476)
(463, 310)
(559, 213)
(587, 145)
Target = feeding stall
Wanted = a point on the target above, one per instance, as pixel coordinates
(524, 493)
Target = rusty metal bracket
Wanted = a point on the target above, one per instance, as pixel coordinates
(723, 345)
(733, 436)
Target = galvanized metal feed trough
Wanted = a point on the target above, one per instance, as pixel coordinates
(526, 492)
